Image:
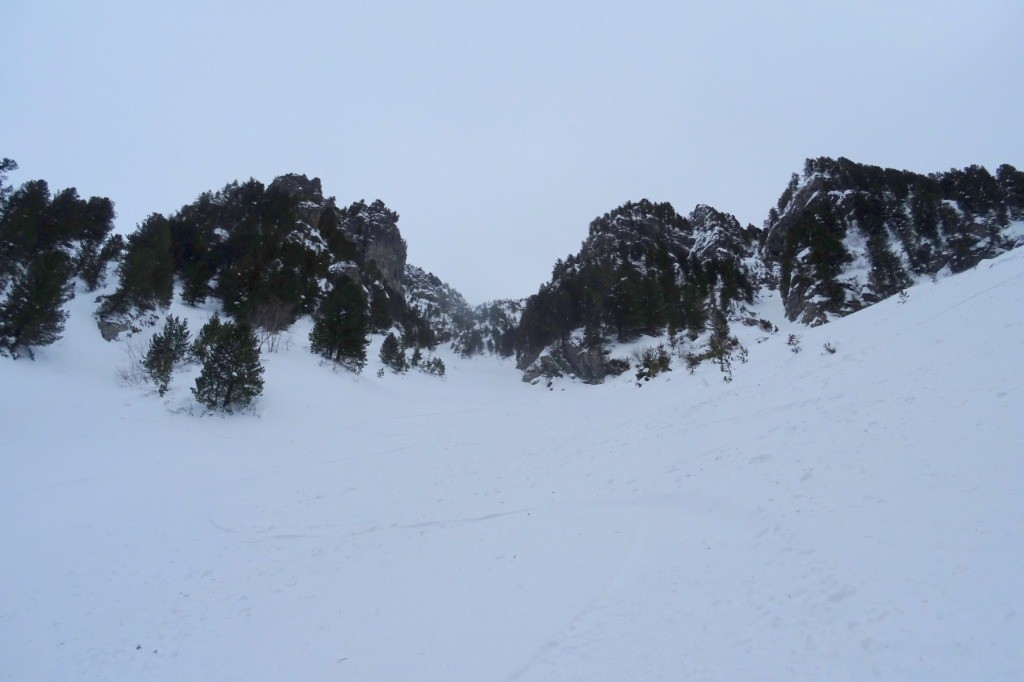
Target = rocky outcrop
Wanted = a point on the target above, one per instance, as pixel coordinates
(437, 302)
(714, 235)
(644, 269)
(573, 360)
(110, 330)
(115, 326)
(299, 186)
(308, 194)
(845, 235)
(373, 229)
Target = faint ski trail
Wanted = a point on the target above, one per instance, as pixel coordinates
(559, 639)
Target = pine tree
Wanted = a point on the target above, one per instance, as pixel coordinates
(340, 325)
(380, 314)
(31, 314)
(147, 269)
(391, 354)
(208, 334)
(232, 375)
(434, 366)
(6, 166)
(93, 261)
(44, 240)
(166, 348)
(26, 229)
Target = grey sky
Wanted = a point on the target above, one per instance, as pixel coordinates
(499, 130)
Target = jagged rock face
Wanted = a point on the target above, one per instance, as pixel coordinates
(374, 229)
(566, 358)
(307, 193)
(845, 235)
(444, 308)
(255, 247)
(716, 235)
(299, 186)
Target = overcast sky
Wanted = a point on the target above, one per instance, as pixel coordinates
(498, 131)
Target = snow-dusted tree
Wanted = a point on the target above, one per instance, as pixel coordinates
(44, 240)
(208, 333)
(232, 374)
(434, 366)
(392, 355)
(166, 348)
(340, 325)
(31, 313)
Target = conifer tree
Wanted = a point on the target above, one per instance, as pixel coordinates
(166, 348)
(6, 166)
(44, 240)
(207, 336)
(232, 375)
(147, 269)
(434, 366)
(31, 314)
(93, 258)
(340, 325)
(391, 354)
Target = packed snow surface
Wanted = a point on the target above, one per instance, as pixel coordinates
(823, 516)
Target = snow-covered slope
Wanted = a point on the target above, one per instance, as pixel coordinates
(823, 516)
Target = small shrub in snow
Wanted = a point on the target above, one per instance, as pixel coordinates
(271, 320)
(742, 354)
(904, 296)
(133, 373)
(692, 362)
(434, 366)
(793, 341)
(829, 348)
(651, 361)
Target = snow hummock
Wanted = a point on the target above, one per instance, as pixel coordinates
(823, 516)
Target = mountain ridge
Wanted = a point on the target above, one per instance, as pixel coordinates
(842, 236)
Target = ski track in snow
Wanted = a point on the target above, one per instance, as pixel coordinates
(844, 517)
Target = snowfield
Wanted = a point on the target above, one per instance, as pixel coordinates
(841, 516)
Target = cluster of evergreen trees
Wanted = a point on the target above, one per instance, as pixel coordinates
(232, 374)
(266, 254)
(266, 258)
(910, 223)
(493, 328)
(393, 353)
(637, 273)
(46, 240)
(269, 254)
